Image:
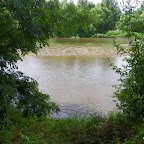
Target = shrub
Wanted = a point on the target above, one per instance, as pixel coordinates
(111, 34)
(98, 35)
(116, 33)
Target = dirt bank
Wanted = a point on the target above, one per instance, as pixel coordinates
(81, 46)
(80, 50)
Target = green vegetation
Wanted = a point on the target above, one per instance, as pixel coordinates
(25, 26)
(130, 92)
(75, 129)
(111, 34)
(83, 19)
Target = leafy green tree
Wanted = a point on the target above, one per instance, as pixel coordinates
(104, 17)
(130, 92)
(132, 22)
(87, 18)
(24, 28)
(109, 13)
(68, 19)
(76, 19)
(53, 16)
(113, 6)
(85, 4)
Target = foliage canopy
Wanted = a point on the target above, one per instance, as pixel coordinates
(24, 28)
(130, 92)
(85, 19)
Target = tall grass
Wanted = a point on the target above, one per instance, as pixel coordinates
(72, 130)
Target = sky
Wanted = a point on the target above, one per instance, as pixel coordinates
(99, 1)
(94, 1)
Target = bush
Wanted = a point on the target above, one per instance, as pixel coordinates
(130, 92)
(98, 35)
(19, 92)
(111, 34)
(116, 33)
(74, 129)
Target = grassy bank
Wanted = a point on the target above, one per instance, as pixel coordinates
(73, 130)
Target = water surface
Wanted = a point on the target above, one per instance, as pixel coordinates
(75, 83)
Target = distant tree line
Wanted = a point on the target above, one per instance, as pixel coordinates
(85, 19)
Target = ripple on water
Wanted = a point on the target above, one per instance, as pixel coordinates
(75, 83)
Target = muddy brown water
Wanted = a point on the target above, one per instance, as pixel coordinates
(75, 83)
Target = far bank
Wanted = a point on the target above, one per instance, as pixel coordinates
(82, 47)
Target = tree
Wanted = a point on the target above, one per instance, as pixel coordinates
(68, 19)
(77, 19)
(109, 13)
(53, 15)
(87, 18)
(130, 92)
(132, 22)
(104, 17)
(85, 4)
(24, 28)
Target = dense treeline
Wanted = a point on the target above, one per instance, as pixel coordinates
(85, 18)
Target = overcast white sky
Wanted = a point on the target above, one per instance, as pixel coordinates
(94, 1)
(99, 1)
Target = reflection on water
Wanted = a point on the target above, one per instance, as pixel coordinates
(76, 83)
(72, 41)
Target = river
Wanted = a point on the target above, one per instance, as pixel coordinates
(75, 83)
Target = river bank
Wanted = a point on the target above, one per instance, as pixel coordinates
(81, 47)
(77, 51)
(73, 130)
